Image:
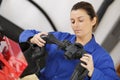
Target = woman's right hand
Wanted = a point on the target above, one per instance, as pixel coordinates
(36, 39)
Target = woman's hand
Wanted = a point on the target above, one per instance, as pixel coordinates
(36, 39)
(87, 58)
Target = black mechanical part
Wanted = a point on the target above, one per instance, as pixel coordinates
(103, 9)
(35, 57)
(9, 29)
(72, 51)
(0, 2)
(79, 73)
(113, 37)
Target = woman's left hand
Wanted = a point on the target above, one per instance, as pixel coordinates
(87, 58)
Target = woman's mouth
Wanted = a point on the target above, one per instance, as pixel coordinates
(78, 30)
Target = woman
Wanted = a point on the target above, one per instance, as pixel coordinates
(98, 61)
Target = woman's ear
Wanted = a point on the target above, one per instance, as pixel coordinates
(94, 21)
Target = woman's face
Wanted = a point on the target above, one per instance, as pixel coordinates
(81, 23)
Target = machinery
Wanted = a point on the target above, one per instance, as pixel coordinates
(72, 51)
(12, 60)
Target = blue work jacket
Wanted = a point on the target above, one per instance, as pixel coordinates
(59, 68)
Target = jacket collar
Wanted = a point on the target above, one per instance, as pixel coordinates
(91, 45)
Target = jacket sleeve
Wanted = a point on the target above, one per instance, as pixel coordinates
(99, 75)
(104, 70)
(26, 34)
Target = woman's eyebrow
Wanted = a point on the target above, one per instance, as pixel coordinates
(81, 16)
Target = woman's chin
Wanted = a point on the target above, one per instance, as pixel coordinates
(79, 35)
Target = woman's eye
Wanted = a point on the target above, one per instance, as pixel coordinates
(72, 22)
(80, 20)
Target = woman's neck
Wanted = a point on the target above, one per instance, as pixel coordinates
(84, 39)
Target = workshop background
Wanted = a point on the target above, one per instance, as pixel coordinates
(54, 15)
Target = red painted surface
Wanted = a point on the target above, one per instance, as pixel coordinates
(12, 61)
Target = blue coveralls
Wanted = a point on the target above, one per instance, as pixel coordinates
(59, 68)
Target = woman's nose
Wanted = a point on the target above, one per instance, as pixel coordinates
(76, 24)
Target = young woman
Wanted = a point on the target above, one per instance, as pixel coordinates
(98, 61)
